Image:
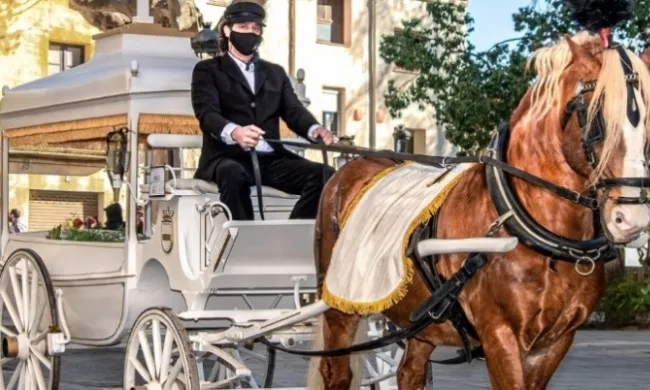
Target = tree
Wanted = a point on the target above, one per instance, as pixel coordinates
(473, 91)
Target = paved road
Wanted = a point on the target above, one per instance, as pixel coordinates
(597, 361)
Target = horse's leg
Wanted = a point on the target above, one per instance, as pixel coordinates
(541, 367)
(339, 330)
(503, 356)
(412, 371)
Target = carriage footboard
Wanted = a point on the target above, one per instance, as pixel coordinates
(244, 331)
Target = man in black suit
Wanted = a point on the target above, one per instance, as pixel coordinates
(238, 100)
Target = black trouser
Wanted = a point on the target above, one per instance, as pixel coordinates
(234, 177)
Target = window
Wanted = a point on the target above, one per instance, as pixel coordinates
(419, 141)
(332, 104)
(333, 21)
(62, 57)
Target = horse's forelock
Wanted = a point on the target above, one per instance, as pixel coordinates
(611, 97)
(551, 63)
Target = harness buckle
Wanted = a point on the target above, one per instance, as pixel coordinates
(585, 261)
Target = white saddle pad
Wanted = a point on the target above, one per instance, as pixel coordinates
(369, 271)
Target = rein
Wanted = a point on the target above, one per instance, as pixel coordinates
(439, 161)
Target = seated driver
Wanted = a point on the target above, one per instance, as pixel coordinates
(238, 100)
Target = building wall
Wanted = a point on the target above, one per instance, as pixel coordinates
(26, 29)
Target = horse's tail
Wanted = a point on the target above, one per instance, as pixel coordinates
(314, 378)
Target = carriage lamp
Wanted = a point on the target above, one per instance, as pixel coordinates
(205, 43)
(402, 138)
(117, 159)
(344, 158)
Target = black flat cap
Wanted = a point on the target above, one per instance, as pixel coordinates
(245, 11)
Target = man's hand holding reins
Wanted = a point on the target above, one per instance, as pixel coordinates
(324, 134)
(247, 136)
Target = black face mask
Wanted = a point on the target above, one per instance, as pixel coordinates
(245, 43)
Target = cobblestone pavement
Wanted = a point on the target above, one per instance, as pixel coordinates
(598, 360)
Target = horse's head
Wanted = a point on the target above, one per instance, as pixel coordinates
(603, 113)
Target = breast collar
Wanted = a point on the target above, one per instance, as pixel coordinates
(526, 229)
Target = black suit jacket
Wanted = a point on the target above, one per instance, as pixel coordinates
(221, 95)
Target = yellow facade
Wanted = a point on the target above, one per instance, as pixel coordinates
(27, 27)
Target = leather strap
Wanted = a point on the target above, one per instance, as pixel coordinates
(258, 181)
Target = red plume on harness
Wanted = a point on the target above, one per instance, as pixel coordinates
(605, 33)
(600, 16)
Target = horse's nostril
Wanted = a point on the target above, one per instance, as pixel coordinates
(619, 218)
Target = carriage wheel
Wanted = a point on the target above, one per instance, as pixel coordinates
(380, 366)
(158, 354)
(27, 294)
(222, 369)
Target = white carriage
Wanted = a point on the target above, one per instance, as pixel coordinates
(188, 299)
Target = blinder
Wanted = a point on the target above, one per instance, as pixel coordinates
(592, 135)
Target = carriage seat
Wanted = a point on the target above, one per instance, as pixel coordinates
(211, 188)
(205, 187)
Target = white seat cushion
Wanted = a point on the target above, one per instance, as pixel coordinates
(205, 187)
(211, 188)
(194, 184)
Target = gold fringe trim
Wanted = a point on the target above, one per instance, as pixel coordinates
(67, 126)
(379, 306)
(95, 130)
(63, 137)
(168, 124)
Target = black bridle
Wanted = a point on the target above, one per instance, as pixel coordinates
(594, 134)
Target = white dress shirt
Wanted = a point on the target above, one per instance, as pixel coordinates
(226, 134)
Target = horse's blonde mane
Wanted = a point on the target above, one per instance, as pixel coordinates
(610, 94)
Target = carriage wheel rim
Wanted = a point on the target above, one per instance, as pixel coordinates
(26, 292)
(159, 337)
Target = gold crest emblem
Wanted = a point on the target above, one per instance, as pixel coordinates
(167, 230)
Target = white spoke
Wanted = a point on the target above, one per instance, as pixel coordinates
(41, 357)
(16, 375)
(21, 378)
(173, 374)
(140, 368)
(7, 331)
(33, 301)
(38, 314)
(12, 311)
(17, 295)
(166, 355)
(29, 383)
(157, 348)
(146, 350)
(39, 337)
(25, 292)
(38, 373)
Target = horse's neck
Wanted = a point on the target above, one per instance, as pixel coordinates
(539, 151)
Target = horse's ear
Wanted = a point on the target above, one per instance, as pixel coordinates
(583, 57)
(645, 57)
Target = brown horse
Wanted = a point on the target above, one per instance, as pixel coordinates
(524, 306)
